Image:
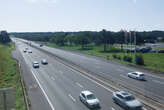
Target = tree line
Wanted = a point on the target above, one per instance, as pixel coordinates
(84, 38)
(4, 37)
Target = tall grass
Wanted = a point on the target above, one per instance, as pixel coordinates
(9, 74)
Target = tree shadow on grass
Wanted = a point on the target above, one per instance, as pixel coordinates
(110, 51)
(86, 48)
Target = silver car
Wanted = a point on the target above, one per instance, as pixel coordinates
(44, 61)
(24, 51)
(126, 100)
(89, 99)
(137, 75)
(35, 64)
(29, 51)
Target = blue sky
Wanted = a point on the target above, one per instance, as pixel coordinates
(81, 15)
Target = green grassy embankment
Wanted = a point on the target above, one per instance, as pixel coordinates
(9, 74)
(152, 60)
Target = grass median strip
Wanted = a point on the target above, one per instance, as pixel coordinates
(9, 74)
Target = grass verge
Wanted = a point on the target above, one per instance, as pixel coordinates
(152, 60)
(9, 74)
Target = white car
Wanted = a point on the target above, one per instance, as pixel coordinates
(137, 75)
(44, 61)
(127, 101)
(89, 99)
(35, 64)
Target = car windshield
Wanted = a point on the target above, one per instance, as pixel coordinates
(129, 98)
(35, 62)
(141, 74)
(91, 97)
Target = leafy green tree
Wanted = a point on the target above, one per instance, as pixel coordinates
(69, 38)
(4, 37)
(59, 39)
(119, 38)
(83, 40)
(105, 38)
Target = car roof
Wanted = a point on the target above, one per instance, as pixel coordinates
(139, 73)
(86, 92)
(124, 94)
(35, 62)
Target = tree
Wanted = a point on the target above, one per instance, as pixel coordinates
(119, 38)
(105, 38)
(4, 37)
(83, 40)
(59, 39)
(69, 39)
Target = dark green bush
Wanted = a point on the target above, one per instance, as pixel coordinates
(116, 56)
(127, 58)
(139, 60)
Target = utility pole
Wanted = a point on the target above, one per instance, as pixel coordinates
(130, 42)
(126, 35)
(4, 100)
(135, 41)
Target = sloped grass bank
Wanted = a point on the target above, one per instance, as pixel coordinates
(9, 74)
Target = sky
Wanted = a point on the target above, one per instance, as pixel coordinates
(81, 15)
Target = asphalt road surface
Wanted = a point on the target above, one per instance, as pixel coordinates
(62, 85)
(153, 87)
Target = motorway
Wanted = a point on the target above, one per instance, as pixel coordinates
(153, 87)
(61, 85)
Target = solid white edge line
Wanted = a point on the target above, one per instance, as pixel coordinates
(52, 107)
(112, 108)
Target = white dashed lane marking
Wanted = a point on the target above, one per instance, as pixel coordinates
(71, 97)
(78, 84)
(52, 78)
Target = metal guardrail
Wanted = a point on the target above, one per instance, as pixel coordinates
(25, 95)
(7, 99)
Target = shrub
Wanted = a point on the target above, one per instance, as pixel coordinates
(116, 56)
(139, 60)
(127, 58)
